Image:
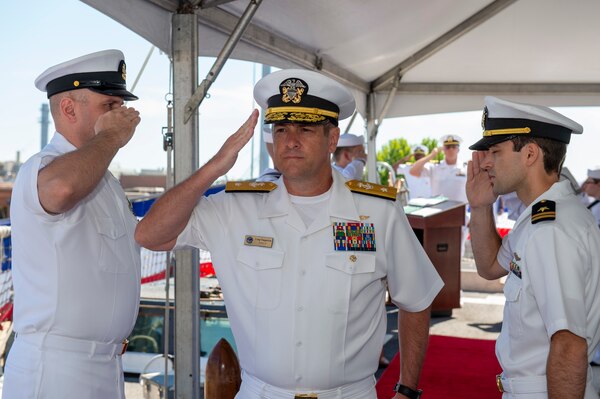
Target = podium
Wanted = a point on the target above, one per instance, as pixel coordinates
(438, 227)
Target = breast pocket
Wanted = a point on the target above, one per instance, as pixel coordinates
(347, 272)
(261, 276)
(512, 308)
(114, 245)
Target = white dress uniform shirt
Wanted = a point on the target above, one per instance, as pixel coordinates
(352, 171)
(447, 180)
(418, 187)
(558, 288)
(77, 283)
(305, 316)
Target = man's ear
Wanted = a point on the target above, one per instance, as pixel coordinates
(334, 135)
(532, 153)
(67, 109)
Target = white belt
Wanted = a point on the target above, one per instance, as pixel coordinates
(58, 342)
(520, 385)
(260, 389)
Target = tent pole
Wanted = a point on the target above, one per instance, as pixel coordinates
(196, 99)
(185, 150)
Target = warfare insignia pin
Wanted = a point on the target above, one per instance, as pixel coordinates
(545, 210)
(292, 90)
(514, 266)
(354, 236)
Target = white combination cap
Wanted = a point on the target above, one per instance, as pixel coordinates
(350, 140)
(103, 72)
(503, 120)
(267, 134)
(303, 96)
(419, 149)
(450, 139)
(594, 173)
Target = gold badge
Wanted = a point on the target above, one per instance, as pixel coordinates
(363, 217)
(292, 90)
(257, 241)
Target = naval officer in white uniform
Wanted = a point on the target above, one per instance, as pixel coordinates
(418, 187)
(304, 261)
(76, 266)
(350, 158)
(551, 323)
(448, 177)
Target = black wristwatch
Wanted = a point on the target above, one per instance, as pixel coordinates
(408, 392)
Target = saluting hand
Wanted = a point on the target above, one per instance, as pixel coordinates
(479, 186)
(227, 155)
(120, 122)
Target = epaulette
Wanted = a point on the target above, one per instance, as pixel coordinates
(542, 211)
(435, 161)
(375, 190)
(249, 187)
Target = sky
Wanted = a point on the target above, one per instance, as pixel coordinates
(37, 34)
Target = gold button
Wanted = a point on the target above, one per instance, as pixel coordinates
(353, 258)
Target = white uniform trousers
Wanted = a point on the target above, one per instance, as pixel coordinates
(41, 366)
(254, 388)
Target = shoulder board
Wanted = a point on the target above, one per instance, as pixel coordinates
(542, 211)
(435, 161)
(375, 190)
(249, 187)
(408, 163)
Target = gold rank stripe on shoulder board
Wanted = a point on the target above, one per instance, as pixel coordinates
(250, 187)
(543, 211)
(375, 190)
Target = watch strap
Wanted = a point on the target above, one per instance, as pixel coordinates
(408, 392)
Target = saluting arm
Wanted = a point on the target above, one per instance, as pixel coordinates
(418, 166)
(169, 215)
(71, 177)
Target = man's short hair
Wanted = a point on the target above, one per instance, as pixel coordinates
(554, 151)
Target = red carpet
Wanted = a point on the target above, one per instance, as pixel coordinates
(455, 368)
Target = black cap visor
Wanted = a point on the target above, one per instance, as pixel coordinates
(127, 96)
(485, 143)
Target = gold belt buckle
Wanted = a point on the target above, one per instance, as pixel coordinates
(499, 382)
(306, 396)
(124, 347)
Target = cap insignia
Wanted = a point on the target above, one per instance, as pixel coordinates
(123, 70)
(76, 83)
(250, 187)
(292, 90)
(484, 117)
(375, 190)
(542, 211)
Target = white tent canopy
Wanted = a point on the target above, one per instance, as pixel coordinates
(448, 54)
(400, 57)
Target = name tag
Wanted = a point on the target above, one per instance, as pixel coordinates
(257, 241)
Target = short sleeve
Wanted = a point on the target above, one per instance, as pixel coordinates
(555, 266)
(412, 279)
